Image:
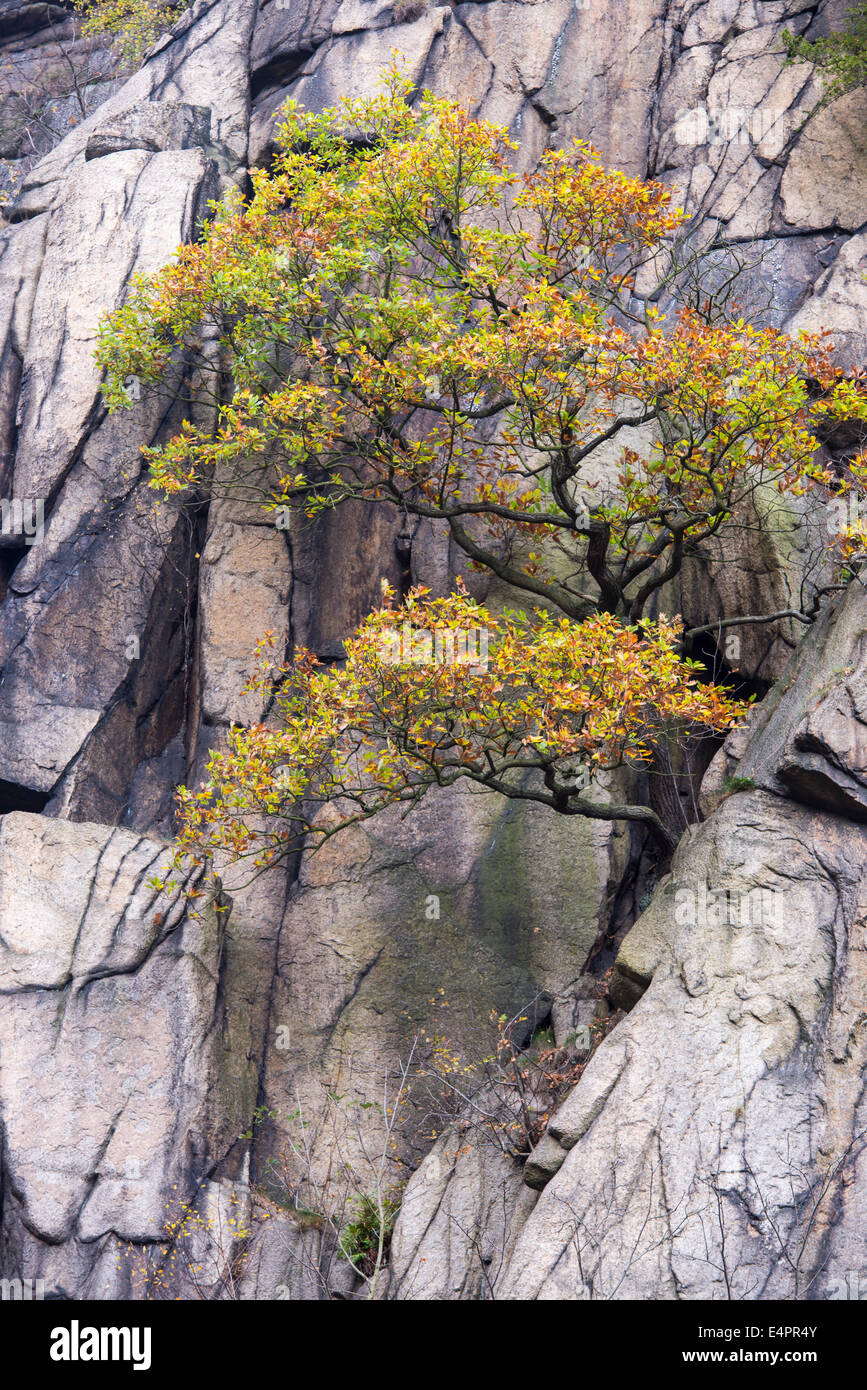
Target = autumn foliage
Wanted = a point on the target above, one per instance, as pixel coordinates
(132, 25)
(564, 700)
(405, 318)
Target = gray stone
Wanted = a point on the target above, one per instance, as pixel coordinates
(735, 1079)
(159, 125)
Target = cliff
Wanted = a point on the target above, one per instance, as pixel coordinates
(152, 1058)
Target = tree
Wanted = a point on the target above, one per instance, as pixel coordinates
(407, 319)
(841, 57)
(564, 700)
(133, 25)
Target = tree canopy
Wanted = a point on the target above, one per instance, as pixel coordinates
(407, 318)
(841, 57)
(565, 700)
(133, 25)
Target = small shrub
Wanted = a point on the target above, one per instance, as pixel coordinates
(840, 57)
(365, 1238)
(133, 25)
(738, 784)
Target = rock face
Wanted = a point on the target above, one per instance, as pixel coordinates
(712, 1146)
(709, 1146)
(112, 1013)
